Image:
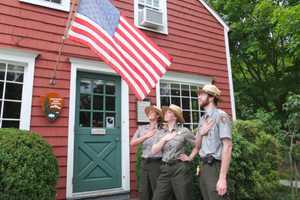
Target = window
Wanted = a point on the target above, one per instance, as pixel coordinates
(151, 15)
(181, 89)
(55, 4)
(16, 82)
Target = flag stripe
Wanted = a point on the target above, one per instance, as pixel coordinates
(117, 67)
(149, 51)
(103, 40)
(147, 71)
(138, 33)
(139, 46)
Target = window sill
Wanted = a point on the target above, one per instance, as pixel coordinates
(64, 6)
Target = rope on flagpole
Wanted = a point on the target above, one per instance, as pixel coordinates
(74, 5)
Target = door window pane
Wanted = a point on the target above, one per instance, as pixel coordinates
(98, 120)
(85, 119)
(99, 87)
(110, 88)
(85, 101)
(85, 86)
(98, 102)
(110, 103)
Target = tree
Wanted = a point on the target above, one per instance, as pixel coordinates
(265, 51)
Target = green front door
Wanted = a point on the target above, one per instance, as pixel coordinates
(97, 159)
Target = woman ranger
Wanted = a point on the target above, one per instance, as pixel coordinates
(150, 165)
(176, 174)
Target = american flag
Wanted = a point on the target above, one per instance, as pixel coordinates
(138, 60)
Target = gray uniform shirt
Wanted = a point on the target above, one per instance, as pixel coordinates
(212, 142)
(174, 147)
(148, 143)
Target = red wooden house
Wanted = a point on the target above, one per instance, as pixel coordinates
(91, 136)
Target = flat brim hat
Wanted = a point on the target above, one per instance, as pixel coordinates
(176, 110)
(148, 109)
(211, 90)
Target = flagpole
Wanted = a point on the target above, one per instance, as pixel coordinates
(74, 6)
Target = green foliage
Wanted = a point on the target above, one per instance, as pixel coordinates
(255, 161)
(28, 168)
(138, 165)
(265, 51)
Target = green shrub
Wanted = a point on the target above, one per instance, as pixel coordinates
(255, 161)
(28, 168)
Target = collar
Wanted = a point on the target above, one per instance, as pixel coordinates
(210, 112)
(175, 128)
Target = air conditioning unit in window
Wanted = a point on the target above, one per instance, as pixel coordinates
(150, 18)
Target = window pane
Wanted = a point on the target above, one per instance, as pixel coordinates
(2, 70)
(149, 2)
(13, 91)
(156, 3)
(98, 102)
(10, 124)
(110, 120)
(175, 89)
(185, 90)
(85, 101)
(85, 86)
(110, 103)
(165, 89)
(165, 101)
(110, 88)
(195, 117)
(186, 103)
(54, 1)
(98, 87)
(187, 116)
(98, 119)
(187, 126)
(85, 119)
(195, 105)
(12, 110)
(194, 91)
(176, 101)
(15, 73)
(1, 89)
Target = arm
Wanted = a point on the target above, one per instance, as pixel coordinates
(138, 140)
(226, 157)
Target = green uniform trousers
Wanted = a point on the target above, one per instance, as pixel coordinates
(208, 179)
(174, 179)
(150, 171)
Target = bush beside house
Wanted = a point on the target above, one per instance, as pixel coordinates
(28, 167)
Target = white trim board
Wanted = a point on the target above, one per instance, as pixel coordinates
(27, 58)
(182, 78)
(215, 14)
(97, 67)
(229, 70)
(64, 5)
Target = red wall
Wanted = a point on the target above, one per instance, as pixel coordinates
(195, 40)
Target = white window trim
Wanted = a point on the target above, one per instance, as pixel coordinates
(165, 18)
(27, 59)
(181, 78)
(64, 5)
(98, 67)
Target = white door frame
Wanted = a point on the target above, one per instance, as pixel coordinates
(97, 67)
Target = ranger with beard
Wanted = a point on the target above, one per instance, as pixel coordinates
(216, 146)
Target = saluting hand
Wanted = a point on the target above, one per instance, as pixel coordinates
(168, 137)
(206, 126)
(150, 133)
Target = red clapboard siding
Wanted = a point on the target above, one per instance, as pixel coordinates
(195, 40)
